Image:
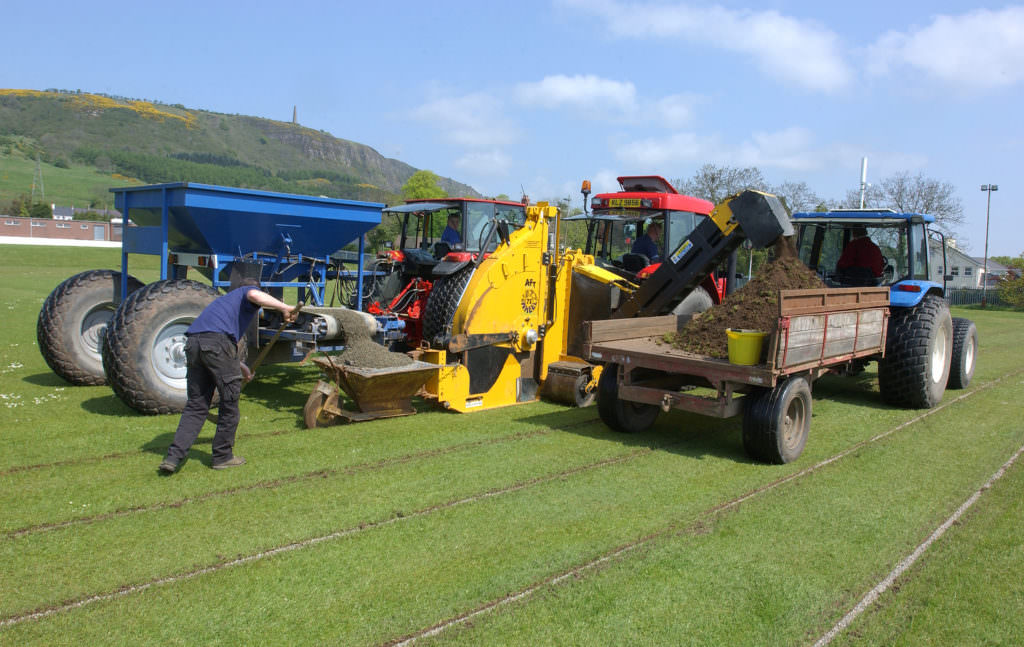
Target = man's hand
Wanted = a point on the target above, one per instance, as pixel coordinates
(247, 374)
(292, 312)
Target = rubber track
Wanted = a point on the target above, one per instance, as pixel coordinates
(443, 302)
(118, 351)
(903, 374)
(51, 323)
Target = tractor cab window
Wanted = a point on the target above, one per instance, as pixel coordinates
(478, 218)
(919, 243)
(514, 215)
(680, 225)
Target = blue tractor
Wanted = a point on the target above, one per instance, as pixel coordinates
(926, 349)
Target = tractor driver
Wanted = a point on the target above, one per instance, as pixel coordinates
(450, 234)
(861, 254)
(648, 243)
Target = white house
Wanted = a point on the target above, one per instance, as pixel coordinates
(965, 270)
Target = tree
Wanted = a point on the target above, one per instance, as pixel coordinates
(715, 183)
(423, 185)
(798, 196)
(1010, 261)
(40, 210)
(915, 194)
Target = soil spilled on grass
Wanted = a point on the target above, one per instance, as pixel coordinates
(360, 349)
(755, 306)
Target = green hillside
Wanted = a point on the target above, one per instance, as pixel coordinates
(87, 143)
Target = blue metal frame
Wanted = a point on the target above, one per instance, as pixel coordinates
(291, 235)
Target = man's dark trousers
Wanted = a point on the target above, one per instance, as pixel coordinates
(212, 361)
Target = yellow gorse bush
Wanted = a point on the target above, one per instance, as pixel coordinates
(87, 101)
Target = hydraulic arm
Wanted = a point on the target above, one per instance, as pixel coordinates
(749, 215)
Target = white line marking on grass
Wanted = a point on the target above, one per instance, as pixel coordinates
(872, 596)
(487, 607)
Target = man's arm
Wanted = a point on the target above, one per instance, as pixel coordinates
(264, 300)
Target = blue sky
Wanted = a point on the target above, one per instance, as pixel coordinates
(542, 94)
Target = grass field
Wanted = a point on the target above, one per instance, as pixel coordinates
(521, 526)
(78, 185)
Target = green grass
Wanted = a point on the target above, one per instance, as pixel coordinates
(78, 185)
(384, 529)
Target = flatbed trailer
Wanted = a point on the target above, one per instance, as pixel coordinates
(818, 331)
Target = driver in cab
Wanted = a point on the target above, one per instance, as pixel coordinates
(450, 234)
(861, 252)
(648, 243)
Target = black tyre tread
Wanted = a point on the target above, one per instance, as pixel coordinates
(54, 316)
(964, 332)
(902, 375)
(122, 339)
(443, 302)
(761, 416)
(619, 415)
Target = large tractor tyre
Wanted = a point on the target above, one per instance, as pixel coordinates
(442, 303)
(965, 353)
(73, 321)
(776, 422)
(621, 415)
(144, 353)
(696, 301)
(918, 347)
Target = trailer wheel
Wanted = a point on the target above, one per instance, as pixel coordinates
(965, 352)
(73, 322)
(918, 347)
(621, 415)
(144, 353)
(776, 422)
(442, 303)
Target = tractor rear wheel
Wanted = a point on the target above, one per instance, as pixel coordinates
(73, 322)
(621, 415)
(442, 303)
(918, 347)
(965, 352)
(776, 422)
(144, 353)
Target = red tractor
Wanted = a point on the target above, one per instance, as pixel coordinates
(629, 232)
(437, 238)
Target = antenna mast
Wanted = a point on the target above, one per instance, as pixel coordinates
(37, 178)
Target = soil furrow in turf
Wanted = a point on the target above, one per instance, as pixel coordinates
(128, 588)
(275, 483)
(697, 526)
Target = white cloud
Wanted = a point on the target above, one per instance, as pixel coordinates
(492, 163)
(607, 99)
(982, 48)
(587, 91)
(656, 152)
(473, 120)
(799, 51)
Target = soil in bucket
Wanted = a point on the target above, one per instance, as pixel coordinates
(361, 351)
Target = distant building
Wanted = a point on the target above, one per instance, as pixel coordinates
(58, 228)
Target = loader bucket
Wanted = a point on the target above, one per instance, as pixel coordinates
(376, 392)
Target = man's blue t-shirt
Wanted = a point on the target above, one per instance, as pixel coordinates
(230, 314)
(644, 245)
(451, 236)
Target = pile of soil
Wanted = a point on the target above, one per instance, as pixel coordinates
(755, 306)
(360, 349)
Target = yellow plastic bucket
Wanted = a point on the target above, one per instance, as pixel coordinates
(745, 346)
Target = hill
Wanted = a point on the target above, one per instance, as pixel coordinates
(88, 143)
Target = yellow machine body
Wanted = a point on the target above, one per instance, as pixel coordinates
(509, 298)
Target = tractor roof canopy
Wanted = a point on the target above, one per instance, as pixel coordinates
(873, 216)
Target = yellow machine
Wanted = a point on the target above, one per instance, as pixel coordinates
(503, 336)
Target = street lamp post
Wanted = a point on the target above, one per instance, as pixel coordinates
(988, 188)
